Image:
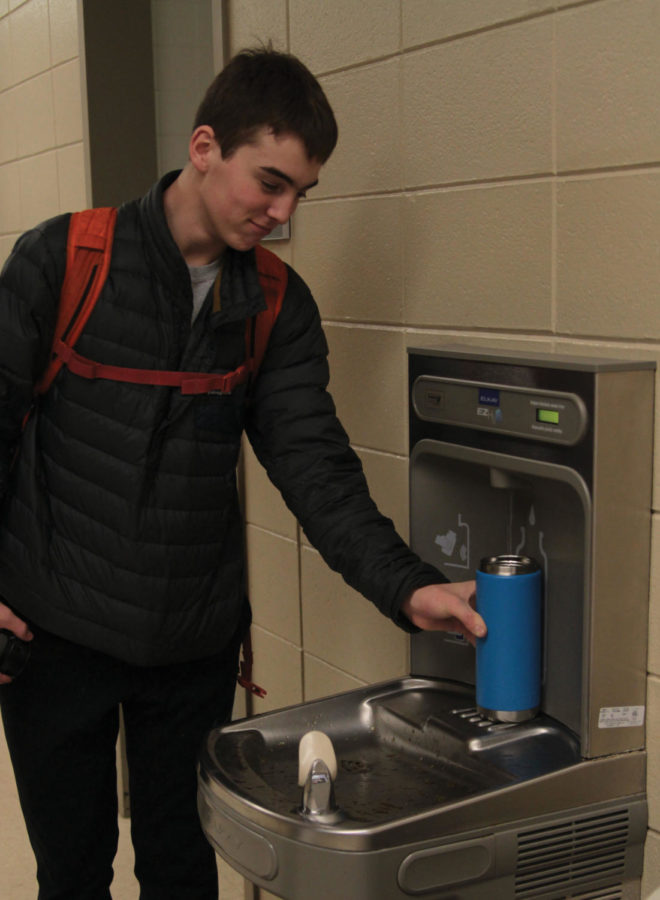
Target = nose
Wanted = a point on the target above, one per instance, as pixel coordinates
(282, 207)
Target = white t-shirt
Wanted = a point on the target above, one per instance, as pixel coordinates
(201, 278)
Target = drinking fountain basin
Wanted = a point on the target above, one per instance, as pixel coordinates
(417, 770)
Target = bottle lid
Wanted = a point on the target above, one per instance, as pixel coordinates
(508, 564)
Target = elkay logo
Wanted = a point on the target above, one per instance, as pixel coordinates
(489, 396)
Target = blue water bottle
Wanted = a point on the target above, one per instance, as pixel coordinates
(509, 657)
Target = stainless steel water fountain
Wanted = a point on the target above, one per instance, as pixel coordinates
(546, 456)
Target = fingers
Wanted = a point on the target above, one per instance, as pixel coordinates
(11, 622)
(446, 607)
(475, 623)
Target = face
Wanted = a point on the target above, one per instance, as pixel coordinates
(257, 188)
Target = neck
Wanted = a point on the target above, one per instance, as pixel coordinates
(185, 219)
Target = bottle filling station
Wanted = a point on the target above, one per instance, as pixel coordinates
(410, 791)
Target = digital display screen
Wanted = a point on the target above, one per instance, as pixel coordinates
(548, 416)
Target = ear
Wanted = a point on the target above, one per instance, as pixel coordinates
(202, 145)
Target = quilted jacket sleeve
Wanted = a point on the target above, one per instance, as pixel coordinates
(298, 438)
(29, 288)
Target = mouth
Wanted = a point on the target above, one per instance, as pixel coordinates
(262, 230)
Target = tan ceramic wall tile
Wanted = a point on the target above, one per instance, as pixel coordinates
(273, 585)
(278, 669)
(18, 869)
(607, 87)
(368, 153)
(350, 254)
(368, 382)
(63, 30)
(654, 599)
(479, 257)
(651, 877)
(68, 103)
(429, 20)
(35, 117)
(39, 190)
(71, 178)
(479, 108)
(8, 142)
(331, 35)
(239, 710)
(256, 22)
(608, 257)
(30, 40)
(10, 198)
(323, 680)
(6, 76)
(6, 244)
(345, 630)
(653, 750)
(656, 445)
(263, 502)
(460, 340)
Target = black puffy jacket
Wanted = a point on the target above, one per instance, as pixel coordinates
(120, 526)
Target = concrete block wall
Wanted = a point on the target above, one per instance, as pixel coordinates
(44, 165)
(496, 180)
(42, 126)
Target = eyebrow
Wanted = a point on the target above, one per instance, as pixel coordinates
(271, 170)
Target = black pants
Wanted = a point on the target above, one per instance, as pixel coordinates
(61, 723)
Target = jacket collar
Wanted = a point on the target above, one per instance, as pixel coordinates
(240, 292)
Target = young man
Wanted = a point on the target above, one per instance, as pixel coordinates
(120, 539)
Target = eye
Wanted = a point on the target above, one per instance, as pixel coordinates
(270, 187)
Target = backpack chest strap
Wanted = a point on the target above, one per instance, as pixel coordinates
(188, 382)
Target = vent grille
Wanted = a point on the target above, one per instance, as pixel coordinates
(572, 855)
(613, 893)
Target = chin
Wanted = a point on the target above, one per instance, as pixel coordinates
(243, 244)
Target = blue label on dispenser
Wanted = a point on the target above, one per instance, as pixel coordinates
(489, 396)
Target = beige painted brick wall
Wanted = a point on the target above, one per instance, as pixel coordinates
(42, 159)
(496, 179)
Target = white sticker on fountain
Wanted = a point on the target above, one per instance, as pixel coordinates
(621, 716)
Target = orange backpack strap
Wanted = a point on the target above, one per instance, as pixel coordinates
(89, 250)
(244, 677)
(272, 274)
(88, 253)
(273, 277)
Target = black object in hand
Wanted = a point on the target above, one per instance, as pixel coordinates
(14, 653)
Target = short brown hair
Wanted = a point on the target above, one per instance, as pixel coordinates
(264, 87)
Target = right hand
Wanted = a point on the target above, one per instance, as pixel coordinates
(446, 607)
(11, 622)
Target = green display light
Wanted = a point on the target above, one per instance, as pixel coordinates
(547, 416)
